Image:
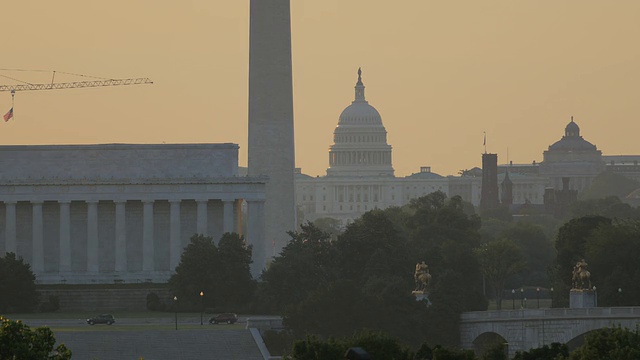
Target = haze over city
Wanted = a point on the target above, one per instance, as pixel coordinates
(440, 73)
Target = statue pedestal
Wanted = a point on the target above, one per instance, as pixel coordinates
(583, 299)
(422, 296)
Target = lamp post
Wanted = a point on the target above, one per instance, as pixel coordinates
(619, 296)
(201, 305)
(551, 296)
(538, 294)
(175, 309)
(595, 293)
(513, 298)
(522, 298)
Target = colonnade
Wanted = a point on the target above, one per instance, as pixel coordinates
(231, 220)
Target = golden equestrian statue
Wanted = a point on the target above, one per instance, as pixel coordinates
(421, 277)
(581, 279)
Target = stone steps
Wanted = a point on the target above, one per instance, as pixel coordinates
(161, 344)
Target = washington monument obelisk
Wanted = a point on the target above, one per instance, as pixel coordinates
(271, 146)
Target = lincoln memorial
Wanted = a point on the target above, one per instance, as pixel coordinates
(82, 214)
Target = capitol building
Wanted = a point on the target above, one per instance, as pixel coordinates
(360, 176)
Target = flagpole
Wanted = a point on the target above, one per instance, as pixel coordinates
(485, 142)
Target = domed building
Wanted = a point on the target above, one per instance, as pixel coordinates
(360, 141)
(574, 158)
(360, 176)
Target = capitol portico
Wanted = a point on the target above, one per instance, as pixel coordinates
(121, 212)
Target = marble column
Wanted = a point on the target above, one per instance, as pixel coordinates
(175, 241)
(201, 227)
(148, 263)
(262, 249)
(37, 252)
(10, 228)
(93, 266)
(227, 216)
(121, 237)
(65, 237)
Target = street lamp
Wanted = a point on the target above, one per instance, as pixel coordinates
(551, 296)
(521, 298)
(619, 296)
(513, 298)
(538, 294)
(201, 305)
(595, 293)
(175, 309)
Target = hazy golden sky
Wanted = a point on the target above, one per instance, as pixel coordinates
(440, 73)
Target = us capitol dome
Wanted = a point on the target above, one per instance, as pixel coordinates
(360, 140)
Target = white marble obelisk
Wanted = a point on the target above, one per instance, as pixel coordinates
(271, 145)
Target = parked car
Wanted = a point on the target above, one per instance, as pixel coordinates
(101, 319)
(228, 318)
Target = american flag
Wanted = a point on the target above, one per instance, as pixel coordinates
(8, 115)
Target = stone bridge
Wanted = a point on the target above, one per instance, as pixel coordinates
(531, 328)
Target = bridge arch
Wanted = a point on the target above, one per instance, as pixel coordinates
(487, 340)
(578, 341)
(525, 329)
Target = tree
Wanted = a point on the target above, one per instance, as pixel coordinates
(331, 226)
(612, 252)
(17, 285)
(308, 261)
(220, 273)
(546, 352)
(570, 246)
(610, 207)
(234, 279)
(539, 250)
(19, 341)
(610, 343)
(377, 345)
(499, 260)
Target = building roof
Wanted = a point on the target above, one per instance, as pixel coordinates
(572, 141)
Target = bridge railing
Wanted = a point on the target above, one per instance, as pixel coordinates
(550, 313)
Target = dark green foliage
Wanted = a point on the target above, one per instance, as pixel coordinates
(496, 352)
(377, 345)
(610, 343)
(610, 207)
(440, 353)
(499, 260)
(19, 341)
(613, 252)
(364, 279)
(154, 303)
(307, 262)
(571, 247)
(371, 247)
(279, 343)
(540, 254)
(546, 352)
(17, 285)
(221, 273)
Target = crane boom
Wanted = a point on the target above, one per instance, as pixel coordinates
(76, 84)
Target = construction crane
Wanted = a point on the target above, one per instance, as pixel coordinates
(101, 82)
(76, 84)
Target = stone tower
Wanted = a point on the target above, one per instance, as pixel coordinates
(489, 195)
(271, 145)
